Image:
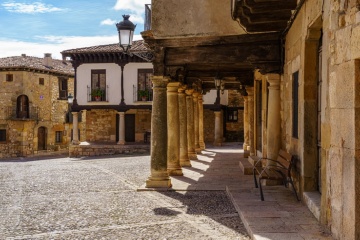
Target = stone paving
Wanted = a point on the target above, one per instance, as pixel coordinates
(105, 198)
(97, 198)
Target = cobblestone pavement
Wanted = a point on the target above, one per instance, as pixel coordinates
(96, 198)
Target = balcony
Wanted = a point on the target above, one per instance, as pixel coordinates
(142, 95)
(103, 97)
(32, 113)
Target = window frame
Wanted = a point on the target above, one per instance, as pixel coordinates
(42, 81)
(232, 115)
(58, 137)
(98, 83)
(3, 136)
(146, 82)
(63, 93)
(9, 77)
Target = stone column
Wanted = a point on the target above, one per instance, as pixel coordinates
(190, 124)
(184, 157)
(218, 129)
(75, 140)
(196, 121)
(246, 127)
(250, 98)
(173, 130)
(159, 177)
(201, 122)
(121, 128)
(273, 127)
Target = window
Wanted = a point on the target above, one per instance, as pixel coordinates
(2, 135)
(9, 77)
(295, 105)
(58, 136)
(41, 81)
(22, 107)
(98, 85)
(232, 115)
(63, 88)
(144, 84)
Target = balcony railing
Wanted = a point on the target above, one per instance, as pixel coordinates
(147, 23)
(13, 114)
(103, 98)
(142, 95)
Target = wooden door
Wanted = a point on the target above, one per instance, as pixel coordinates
(22, 110)
(129, 127)
(41, 138)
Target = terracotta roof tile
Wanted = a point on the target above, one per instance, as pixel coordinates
(138, 46)
(35, 63)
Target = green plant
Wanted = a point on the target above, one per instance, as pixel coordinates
(143, 93)
(97, 92)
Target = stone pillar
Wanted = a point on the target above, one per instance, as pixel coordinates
(173, 130)
(246, 127)
(121, 128)
(250, 98)
(184, 157)
(218, 129)
(196, 121)
(273, 127)
(201, 123)
(75, 140)
(190, 124)
(159, 177)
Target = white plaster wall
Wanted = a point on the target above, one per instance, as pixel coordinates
(210, 97)
(113, 81)
(130, 79)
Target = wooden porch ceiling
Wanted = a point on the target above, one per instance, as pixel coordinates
(263, 15)
(234, 58)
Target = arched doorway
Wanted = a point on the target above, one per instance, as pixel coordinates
(42, 136)
(22, 107)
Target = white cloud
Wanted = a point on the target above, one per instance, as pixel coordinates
(36, 7)
(53, 44)
(135, 8)
(108, 21)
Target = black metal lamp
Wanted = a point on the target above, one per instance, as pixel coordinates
(70, 99)
(126, 32)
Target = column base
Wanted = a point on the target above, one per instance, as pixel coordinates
(246, 153)
(165, 183)
(175, 172)
(75, 142)
(218, 144)
(121, 142)
(185, 162)
(192, 156)
(202, 146)
(198, 150)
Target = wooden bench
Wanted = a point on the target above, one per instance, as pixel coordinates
(279, 169)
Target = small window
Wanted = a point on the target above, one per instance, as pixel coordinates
(295, 105)
(144, 85)
(41, 81)
(232, 115)
(2, 135)
(58, 136)
(9, 77)
(63, 88)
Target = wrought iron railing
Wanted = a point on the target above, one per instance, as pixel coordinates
(147, 23)
(103, 98)
(32, 113)
(142, 95)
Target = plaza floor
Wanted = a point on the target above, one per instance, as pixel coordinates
(103, 198)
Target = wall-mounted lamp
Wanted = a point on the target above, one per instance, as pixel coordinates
(217, 81)
(70, 99)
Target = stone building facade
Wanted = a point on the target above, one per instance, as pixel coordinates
(34, 105)
(301, 95)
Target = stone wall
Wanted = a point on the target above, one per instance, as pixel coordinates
(101, 125)
(45, 107)
(101, 150)
(209, 126)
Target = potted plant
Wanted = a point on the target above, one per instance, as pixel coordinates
(144, 94)
(97, 93)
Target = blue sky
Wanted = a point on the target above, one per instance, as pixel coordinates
(35, 27)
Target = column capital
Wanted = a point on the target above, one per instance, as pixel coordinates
(189, 92)
(173, 86)
(160, 81)
(274, 80)
(195, 94)
(250, 91)
(182, 89)
(200, 98)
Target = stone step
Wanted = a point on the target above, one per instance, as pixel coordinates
(245, 166)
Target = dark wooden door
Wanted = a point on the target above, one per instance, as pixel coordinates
(22, 110)
(129, 127)
(41, 138)
(117, 127)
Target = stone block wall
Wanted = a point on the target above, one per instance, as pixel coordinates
(209, 125)
(101, 125)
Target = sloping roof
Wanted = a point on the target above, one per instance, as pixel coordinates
(139, 48)
(35, 63)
